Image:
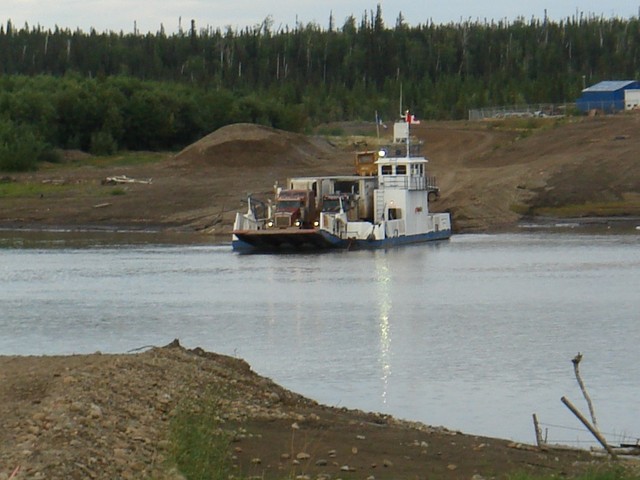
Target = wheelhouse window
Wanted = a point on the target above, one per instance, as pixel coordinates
(401, 170)
(387, 170)
(394, 214)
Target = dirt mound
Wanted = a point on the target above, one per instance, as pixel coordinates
(249, 145)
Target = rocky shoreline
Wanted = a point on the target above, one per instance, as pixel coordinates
(108, 416)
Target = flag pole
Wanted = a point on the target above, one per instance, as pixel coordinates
(408, 120)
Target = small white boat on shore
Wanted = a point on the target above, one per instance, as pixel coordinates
(386, 203)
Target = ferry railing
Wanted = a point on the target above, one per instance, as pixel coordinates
(245, 221)
(408, 182)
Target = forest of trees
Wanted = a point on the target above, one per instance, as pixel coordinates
(104, 92)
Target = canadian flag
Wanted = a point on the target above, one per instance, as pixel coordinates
(411, 119)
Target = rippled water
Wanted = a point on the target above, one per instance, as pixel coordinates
(475, 334)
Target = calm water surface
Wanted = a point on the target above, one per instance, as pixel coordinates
(475, 334)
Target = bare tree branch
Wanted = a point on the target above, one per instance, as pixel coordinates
(576, 369)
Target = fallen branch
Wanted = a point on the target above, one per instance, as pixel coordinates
(144, 347)
(590, 427)
(522, 446)
(624, 451)
(124, 179)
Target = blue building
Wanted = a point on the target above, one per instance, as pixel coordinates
(607, 96)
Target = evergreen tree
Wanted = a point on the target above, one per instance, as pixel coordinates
(107, 91)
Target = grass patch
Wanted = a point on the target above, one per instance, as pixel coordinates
(125, 159)
(118, 191)
(331, 131)
(523, 125)
(31, 190)
(628, 206)
(616, 472)
(520, 209)
(198, 446)
(601, 209)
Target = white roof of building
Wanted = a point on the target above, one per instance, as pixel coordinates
(609, 86)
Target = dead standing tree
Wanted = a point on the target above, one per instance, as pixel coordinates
(592, 428)
(576, 369)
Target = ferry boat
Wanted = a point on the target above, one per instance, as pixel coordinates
(386, 203)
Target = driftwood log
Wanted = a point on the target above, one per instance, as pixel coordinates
(594, 431)
(119, 179)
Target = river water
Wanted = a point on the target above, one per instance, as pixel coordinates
(475, 334)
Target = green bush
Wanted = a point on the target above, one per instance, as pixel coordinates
(20, 147)
(51, 155)
(102, 143)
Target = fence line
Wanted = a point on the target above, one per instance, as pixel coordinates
(550, 109)
(526, 110)
(612, 437)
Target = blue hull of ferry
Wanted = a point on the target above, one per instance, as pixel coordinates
(319, 240)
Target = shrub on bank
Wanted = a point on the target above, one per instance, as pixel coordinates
(20, 147)
(616, 472)
(198, 448)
